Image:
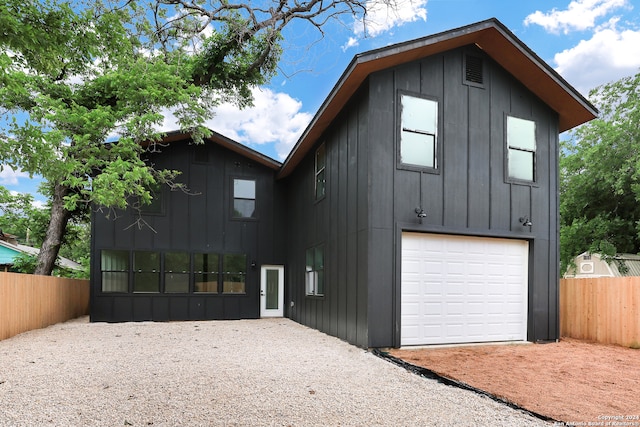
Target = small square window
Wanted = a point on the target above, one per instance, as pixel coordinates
(521, 146)
(418, 131)
(244, 198)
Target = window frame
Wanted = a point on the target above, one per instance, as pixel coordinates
(314, 283)
(508, 147)
(233, 199)
(322, 171)
(437, 157)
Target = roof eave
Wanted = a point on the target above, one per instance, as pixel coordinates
(492, 37)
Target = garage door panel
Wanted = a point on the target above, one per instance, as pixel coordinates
(470, 289)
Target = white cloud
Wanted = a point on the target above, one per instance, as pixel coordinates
(275, 117)
(579, 15)
(609, 55)
(8, 176)
(383, 15)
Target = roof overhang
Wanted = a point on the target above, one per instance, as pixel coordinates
(492, 37)
(236, 147)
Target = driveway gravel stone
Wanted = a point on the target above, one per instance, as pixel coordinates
(267, 372)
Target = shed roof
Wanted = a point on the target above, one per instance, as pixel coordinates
(492, 37)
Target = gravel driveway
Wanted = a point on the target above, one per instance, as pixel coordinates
(220, 373)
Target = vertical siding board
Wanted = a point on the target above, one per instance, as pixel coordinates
(382, 171)
(381, 149)
(500, 205)
(353, 211)
(342, 233)
(454, 143)
(479, 158)
(362, 337)
(432, 187)
(332, 253)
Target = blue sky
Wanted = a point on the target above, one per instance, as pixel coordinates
(589, 42)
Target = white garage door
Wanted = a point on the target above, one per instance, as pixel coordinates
(461, 289)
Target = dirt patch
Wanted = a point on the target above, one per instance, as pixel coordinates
(571, 381)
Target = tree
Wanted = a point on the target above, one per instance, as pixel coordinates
(75, 78)
(21, 217)
(600, 177)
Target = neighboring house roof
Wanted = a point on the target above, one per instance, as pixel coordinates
(8, 252)
(492, 37)
(592, 265)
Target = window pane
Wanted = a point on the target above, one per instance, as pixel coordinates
(115, 271)
(419, 114)
(521, 164)
(146, 282)
(320, 184)
(418, 149)
(205, 267)
(244, 189)
(176, 272)
(114, 260)
(272, 289)
(318, 263)
(234, 273)
(146, 277)
(146, 261)
(244, 208)
(113, 281)
(521, 133)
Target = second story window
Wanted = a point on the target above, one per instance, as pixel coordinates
(320, 180)
(244, 198)
(521, 144)
(418, 132)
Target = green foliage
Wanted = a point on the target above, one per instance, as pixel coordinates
(600, 177)
(24, 263)
(20, 217)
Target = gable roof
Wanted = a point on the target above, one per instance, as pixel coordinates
(228, 143)
(492, 37)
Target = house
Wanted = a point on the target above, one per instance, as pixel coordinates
(588, 265)
(420, 206)
(10, 248)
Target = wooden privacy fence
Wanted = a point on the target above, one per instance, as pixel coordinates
(605, 310)
(30, 302)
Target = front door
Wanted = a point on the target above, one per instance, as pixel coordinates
(272, 291)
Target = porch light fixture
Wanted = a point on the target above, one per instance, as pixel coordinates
(525, 221)
(421, 213)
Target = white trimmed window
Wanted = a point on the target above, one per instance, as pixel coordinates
(418, 131)
(521, 144)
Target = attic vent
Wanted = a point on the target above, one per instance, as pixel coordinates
(473, 70)
(586, 268)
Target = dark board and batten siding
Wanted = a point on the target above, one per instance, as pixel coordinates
(199, 222)
(371, 197)
(339, 221)
(468, 194)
